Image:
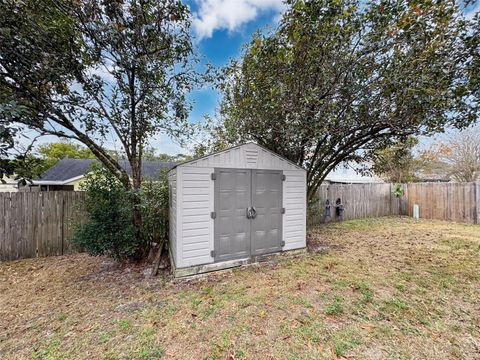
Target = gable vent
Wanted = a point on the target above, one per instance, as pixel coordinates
(251, 156)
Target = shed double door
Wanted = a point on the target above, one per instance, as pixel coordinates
(248, 213)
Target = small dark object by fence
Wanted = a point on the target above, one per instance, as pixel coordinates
(339, 208)
(327, 216)
(458, 202)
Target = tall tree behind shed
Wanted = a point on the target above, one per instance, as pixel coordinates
(338, 80)
(397, 162)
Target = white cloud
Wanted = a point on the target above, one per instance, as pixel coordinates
(229, 14)
(472, 11)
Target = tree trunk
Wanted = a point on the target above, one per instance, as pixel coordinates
(138, 224)
(137, 220)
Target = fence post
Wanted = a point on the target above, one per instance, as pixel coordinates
(390, 189)
(62, 224)
(403, 201)
(477, 202)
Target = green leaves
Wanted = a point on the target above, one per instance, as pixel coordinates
(341, 79)
(396, 163)
(92, 71)
(398, 191)
(109, 229)
(54, 152)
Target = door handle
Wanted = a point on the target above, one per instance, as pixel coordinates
(251, 212)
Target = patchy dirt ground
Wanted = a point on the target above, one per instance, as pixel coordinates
(385, 288)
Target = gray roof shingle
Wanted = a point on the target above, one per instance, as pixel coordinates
(67, 169)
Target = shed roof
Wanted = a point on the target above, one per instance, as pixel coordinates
(250, 154)
(68, 169)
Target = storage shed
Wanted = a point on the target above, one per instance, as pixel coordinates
(229, 208)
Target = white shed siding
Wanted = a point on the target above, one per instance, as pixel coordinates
(192, 228)
(172, 178)
(294, 202)
(196, 227)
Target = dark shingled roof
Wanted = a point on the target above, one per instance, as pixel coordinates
(67, 169)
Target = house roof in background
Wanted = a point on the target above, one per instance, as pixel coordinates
(67, 169)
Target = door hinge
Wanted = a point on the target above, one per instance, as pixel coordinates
(283, 210)
(213, 214)
(213, 176)
(284, 177)
(212, 253)
(283, 243)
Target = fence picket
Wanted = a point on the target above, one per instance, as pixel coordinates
(41, 224)
(37, 223)
(458, 202)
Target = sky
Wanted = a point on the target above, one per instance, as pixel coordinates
(220, 28)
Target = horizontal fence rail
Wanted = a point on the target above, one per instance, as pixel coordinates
(458, 202)
(36, 224)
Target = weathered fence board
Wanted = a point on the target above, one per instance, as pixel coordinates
(359, 200)
(38, 223)
(477, 204)
(459, 202)
(42, 223)
(445, 201)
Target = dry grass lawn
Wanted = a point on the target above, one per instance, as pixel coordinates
(384, 289)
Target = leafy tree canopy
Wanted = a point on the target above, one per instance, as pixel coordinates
(54, 152)
(457, 157)
(338, 80)
(23, 168)
(97, 70)
(151, 154)
(397, 163)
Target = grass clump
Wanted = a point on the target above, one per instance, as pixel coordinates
(367, 293)
(124, 324)
(345, 341)
(335, 308)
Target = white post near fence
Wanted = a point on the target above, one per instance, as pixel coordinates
(416, 211)
(477, 202)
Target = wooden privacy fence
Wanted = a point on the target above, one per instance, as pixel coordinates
(41, 223)
(459, 202)
(444, 201)
(359, 201)
(38, 223)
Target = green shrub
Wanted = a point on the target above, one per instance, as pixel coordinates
(108, 229)
(154, 208)
(109, 207)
